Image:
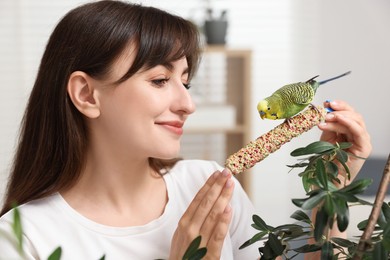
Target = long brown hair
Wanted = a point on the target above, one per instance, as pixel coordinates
(89, 38)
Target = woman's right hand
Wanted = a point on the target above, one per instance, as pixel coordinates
(208, 215)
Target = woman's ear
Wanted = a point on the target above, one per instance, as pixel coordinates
(83, 95)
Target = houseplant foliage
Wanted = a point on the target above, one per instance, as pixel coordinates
(320, 170)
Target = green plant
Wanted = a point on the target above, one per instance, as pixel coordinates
(321, 170)
(193, 252)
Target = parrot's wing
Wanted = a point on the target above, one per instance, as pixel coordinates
(303, 93)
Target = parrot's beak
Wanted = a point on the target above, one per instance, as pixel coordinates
(262, 114)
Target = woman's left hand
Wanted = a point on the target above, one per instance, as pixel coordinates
(344, 124)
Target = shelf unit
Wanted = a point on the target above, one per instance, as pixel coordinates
(237, 84)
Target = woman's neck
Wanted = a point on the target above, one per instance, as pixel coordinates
(118, 193)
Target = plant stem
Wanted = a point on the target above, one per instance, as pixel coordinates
(364, 241)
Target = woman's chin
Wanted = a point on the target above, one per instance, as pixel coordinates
(169, 154)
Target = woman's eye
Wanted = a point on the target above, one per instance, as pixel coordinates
(187, 85)
(160, 82)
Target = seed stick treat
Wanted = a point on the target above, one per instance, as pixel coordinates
(257, 150)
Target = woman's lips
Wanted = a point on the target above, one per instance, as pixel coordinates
(175, 127)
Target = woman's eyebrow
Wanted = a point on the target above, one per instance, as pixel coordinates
(169, 66)
(185, 71)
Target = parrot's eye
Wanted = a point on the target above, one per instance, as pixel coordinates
(268, 108)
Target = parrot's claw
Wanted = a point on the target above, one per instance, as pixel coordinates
(289, 123)
(315, 107)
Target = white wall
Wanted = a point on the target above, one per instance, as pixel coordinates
(292, 41)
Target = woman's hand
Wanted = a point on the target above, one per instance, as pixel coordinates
(346, 125)
(208, 215)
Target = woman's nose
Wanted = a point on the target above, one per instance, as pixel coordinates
(183, 101)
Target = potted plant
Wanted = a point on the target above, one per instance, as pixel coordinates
(320, 172)
(215, 28)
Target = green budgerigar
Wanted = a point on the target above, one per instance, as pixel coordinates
(291, 99)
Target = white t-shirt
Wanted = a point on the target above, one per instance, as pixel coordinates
(50, 222)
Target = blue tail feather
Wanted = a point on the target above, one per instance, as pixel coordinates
(339, 76)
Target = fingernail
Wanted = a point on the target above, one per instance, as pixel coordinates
(229, 183)
(226, 172)
(329, 116)
(228, 209)
(328, 109)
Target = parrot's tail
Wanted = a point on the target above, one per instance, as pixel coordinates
(339, 76)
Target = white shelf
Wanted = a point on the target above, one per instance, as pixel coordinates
(215, 134)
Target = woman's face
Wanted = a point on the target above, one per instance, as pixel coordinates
(144, 115)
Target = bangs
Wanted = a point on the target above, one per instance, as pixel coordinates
(161, 39)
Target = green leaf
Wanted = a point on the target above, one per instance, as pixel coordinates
(299, 202)
(17, 228)
(275, 244)
(362, 225)
(254, 239)
(345, 196)
(199, 254)
(298, 151)
(332, 168)
(103, 257)
(359, 157)
(327, 251)
(286, 228)
(56, 255)
(342, 215)
(382, 220)
(343, 242)
(334, 179)
(318, 147)
(307, 248)
(342, 156)
(380, 252)
(320, 224)
(329, 206)
(290, 231)
(344, 145)
(193, 249)
(314, 201)
(357, 186)
(344, 164)
(301, 216)
(365, 202)
(267, 253)
(386, 238)
(298, 165)
(386, 211)
(321, 174)
(306, 182)
(259, 222)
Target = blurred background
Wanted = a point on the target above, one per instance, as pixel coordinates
(279, 42)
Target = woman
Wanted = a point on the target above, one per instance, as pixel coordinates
(95, 171)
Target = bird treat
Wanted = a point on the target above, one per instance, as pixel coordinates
(257, 150)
